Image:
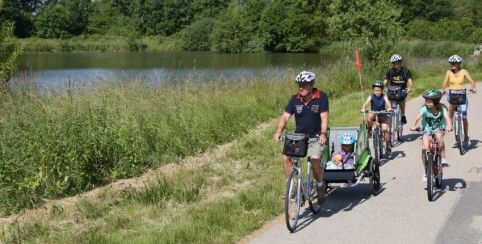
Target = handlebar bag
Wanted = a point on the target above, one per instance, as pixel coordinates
(296, 145)
(394, 93)
(457, 97)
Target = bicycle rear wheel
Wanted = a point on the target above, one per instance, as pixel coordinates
(430, 177)
(311, 192)
(292, 200)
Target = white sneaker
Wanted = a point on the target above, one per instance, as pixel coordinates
(424, 177)
(444, 163)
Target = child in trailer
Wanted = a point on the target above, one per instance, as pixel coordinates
(345, 158)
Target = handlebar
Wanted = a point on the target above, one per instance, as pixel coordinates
(377, 112)
(447, 91)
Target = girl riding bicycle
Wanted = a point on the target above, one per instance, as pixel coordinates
(379, 102)
(435, 120)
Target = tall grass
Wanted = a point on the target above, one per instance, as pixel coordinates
(95, 43)
(414, 48)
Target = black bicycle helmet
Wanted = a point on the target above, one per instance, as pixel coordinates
(377, 83)
(432, 94)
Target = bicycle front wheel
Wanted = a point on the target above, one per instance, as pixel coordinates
(460, 135)
(430, 177)
(293, 200)
(393, 129)
(311, 192)
(438, 172)
(376, 144)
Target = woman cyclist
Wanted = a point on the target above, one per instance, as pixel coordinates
(435, 120)
(456, 78)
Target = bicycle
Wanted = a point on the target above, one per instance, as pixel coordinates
(457, 98)
(433, 166)
(297, 190)
(396, 129)
(377, 134)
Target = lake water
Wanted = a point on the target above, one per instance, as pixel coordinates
(58, 70)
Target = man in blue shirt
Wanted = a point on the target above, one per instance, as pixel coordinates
(310, 107)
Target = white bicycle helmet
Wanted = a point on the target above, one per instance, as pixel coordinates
(395, 58)
(347, 139)
(455, 59)
(305, 77)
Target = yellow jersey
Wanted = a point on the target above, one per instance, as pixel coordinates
(456, 81)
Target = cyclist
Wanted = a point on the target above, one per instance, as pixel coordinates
(435, 120)
(310, 107)
(456, 77)
(399, 76)
(379, 102)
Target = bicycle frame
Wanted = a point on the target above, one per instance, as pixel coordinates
(396, 127)
(458, 127)
(377, 134)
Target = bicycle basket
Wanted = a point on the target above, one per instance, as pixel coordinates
(457, 97)
(394, 93)
(296, 145)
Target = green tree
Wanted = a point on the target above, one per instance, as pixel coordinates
(21, 13)
(232, 31)
(9, 53)
(113, 17)
(432, 10)
(369, 25)
(195, 37)
(61, 19)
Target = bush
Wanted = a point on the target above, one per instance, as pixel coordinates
(195, 37)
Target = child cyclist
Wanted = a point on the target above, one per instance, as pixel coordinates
(379, 102)
(435, 120)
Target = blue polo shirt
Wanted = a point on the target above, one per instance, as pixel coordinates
(307, 115)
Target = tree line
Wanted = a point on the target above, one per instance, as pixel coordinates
(247, 25)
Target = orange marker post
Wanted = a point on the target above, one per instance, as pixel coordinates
(358, 67)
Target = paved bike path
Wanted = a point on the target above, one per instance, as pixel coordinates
(401, 213)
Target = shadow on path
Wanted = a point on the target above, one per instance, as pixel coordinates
(339, 199)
